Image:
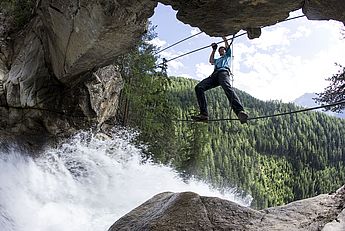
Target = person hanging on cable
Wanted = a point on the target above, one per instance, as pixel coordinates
(220, 76)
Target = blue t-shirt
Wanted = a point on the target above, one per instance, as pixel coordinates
(223, 63)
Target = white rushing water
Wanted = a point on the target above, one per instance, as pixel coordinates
(85, 184)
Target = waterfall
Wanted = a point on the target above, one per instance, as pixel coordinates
(84, 184)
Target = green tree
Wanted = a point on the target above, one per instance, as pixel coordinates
(144, 104)
(335, 92)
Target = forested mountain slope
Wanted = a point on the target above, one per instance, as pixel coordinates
(276, 160)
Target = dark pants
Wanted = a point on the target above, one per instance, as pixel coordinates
(221, 78)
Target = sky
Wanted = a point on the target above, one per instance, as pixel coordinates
(288, 60)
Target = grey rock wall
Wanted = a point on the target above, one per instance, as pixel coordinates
(104, 91)
(84, 34)
(55, 72)
(2, 76)
(29, 83)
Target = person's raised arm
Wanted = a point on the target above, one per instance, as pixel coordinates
(226, 42)
(214, 48)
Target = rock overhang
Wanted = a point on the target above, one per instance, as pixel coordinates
(224, 17)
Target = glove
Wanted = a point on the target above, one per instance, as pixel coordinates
(214, 46)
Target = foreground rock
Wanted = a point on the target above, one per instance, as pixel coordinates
(189, 211)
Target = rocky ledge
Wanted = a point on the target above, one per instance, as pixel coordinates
(189, 211)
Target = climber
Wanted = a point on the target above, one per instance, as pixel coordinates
(220, 76)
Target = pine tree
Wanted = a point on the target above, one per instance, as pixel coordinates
(335, 92)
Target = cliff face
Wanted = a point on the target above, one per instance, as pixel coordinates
(189, 211)
(50, 76)
(51, 72)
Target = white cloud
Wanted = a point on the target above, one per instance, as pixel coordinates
(157, 42)
(203, 70)
(302, 32)
(240, 49)
(331, 26)
(285, 77)
(272, 37)
(174, 64)
(300, 67)
(195, 31)
(270, 76)
(295, 13)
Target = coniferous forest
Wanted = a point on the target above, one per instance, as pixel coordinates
(275, 160)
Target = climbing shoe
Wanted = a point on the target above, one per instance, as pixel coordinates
(243, 117)
(200, 117)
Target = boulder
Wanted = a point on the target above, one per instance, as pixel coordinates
(104, 92)
(189, 211)
(324, 10)
(95, 98)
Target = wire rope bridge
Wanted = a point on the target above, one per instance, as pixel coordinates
(165, 61)
(268, 116)
(163, 65)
